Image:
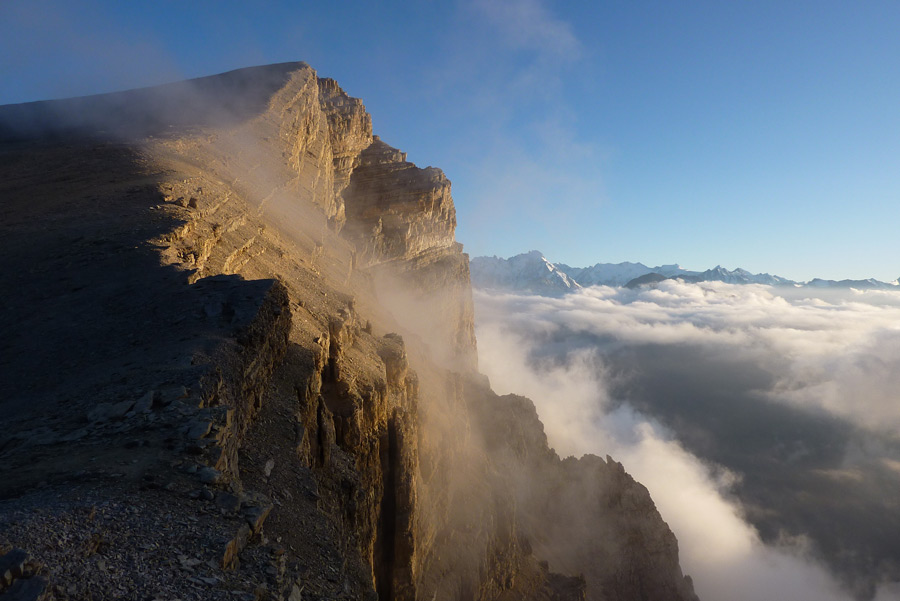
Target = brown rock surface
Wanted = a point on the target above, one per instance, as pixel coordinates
(204, 396)
(396, 210)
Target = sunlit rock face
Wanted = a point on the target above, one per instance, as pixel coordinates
(397, 210)
(248, 350)
(402, 221)
(322, 130)
(350, 128)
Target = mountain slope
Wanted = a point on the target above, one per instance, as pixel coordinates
(240, 363)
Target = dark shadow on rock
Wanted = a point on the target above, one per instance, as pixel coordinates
(91, 321)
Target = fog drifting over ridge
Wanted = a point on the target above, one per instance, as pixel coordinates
(734, 405)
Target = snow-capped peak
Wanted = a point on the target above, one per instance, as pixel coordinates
(531, 272)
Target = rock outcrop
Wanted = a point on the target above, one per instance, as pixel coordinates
(241, 364)
(398, 211)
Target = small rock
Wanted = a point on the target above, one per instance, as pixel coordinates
(76, 435)
(270, 465)
(100, 412)
(295, 595)
(145, 403)
(172, 393)
(12, 565)
(197, 429)
(228, 502)
(188, 562)
(196, 448)
(206, 494)
(256, 515)
(27, 589)
(107, 411)
(209, 475)
(235, 546)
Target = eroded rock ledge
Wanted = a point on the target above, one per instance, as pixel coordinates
(396, 210)
(244, 367)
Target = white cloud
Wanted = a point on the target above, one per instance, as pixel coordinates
(828, 350)
(527, 24)
(839, 354)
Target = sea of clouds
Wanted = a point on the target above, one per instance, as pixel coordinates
(764, 421)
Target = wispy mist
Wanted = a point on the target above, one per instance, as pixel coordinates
(528, 24)
(762, 420)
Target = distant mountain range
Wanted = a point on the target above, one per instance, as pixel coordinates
(531, 272)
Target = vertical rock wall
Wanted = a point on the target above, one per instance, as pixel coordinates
(485, 506)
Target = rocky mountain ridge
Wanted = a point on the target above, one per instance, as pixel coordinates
(532, 273)
(241, 364)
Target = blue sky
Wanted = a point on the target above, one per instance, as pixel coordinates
(764, 135)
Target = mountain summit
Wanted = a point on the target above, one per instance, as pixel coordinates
(529, 272)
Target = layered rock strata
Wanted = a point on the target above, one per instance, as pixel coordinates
(398, 211)
(264, 379)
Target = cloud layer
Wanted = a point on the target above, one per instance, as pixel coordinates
(734, 405)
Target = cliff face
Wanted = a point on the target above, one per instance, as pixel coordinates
(242, 364)
(398, 211)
